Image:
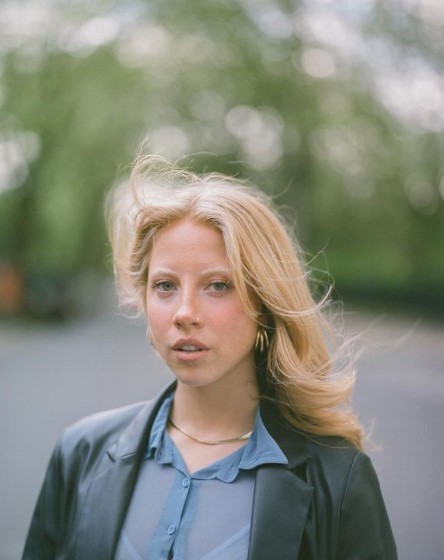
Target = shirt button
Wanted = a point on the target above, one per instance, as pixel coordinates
(185, 482)
(171, 529)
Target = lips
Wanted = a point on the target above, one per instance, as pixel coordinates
(189, 346)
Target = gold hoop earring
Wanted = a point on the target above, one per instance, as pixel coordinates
(261, 342)
(150, 339)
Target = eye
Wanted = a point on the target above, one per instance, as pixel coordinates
(164, 286)
(219, 286)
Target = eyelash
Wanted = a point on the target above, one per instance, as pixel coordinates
(226, 285)
(159, 285)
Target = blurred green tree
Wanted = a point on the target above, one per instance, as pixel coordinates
(334, 108)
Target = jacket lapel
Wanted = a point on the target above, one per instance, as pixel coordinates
(280, 507)
(104, 510)
(107, 498)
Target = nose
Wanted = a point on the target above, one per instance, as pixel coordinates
(187, 313)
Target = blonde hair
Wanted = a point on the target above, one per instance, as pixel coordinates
(296, 370)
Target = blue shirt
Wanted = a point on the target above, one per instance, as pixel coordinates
(202, 516)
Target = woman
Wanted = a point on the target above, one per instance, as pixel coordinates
(253, 453)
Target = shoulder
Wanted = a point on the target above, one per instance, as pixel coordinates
(125, 424)
(328, 453)
(336, 464)
(326, 462)
(113, 433)
(331, 453)
(333, 456)
(89, 441)
(339, 473)
(102, 425)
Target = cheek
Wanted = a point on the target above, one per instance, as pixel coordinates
(236, 321)
(156, 318)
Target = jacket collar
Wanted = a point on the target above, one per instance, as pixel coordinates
(293, 443)
(278, 489)
(135, 438)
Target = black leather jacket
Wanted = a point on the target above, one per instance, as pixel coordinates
(325, 504)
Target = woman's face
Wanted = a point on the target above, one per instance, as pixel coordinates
(196, 317)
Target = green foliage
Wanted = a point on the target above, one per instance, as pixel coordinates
(309, 100)
(85, 113)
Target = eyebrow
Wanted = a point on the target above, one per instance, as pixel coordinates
(203, 274)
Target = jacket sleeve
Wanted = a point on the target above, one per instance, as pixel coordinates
(41, 542)
(364, 527)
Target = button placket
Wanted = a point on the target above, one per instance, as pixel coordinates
(183, 485)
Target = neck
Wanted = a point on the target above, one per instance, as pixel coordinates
(214, 413)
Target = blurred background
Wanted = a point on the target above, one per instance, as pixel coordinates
(334, 107)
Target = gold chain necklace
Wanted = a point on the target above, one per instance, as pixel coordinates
(216, 442)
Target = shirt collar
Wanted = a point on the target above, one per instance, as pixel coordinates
(155, 442)
(260, 449)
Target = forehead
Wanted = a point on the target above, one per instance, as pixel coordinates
(188, 244)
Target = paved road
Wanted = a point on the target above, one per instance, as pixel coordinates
(52, 375)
